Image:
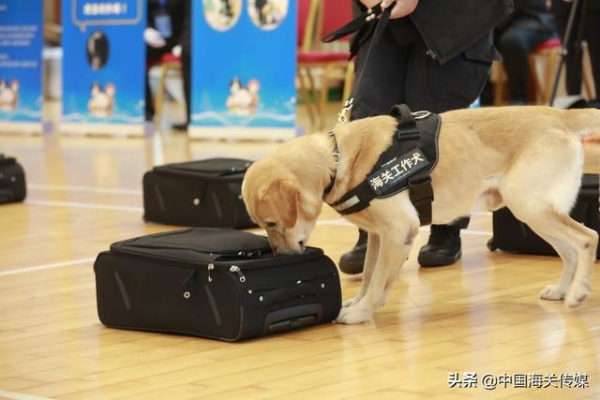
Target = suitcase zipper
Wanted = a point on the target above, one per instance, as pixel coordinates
(250, 253)
(233, 269)
(210, 267)
(238, 271)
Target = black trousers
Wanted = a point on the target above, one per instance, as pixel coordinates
(514, 44)
(395, 74)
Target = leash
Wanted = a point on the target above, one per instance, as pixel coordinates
(366, 26)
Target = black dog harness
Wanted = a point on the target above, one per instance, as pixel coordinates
(406, 164)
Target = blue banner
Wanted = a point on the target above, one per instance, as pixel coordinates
(21, 41)
(104, 60)
(243, 67)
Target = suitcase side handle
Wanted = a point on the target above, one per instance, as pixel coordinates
(293, 318)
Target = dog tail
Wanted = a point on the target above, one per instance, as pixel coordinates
(583, 122)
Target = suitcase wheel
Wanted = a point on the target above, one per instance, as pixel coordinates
(491, 245)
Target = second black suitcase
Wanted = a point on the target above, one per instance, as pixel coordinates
(204, 193)
(12, 180)
(512, 235)
(213, 282)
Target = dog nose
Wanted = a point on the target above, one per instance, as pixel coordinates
(302, 245)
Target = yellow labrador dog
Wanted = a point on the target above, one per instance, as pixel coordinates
(526, 158)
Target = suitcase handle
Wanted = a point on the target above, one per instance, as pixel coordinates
(299, 290)
(293, 317)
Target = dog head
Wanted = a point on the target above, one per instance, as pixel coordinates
(280, 204)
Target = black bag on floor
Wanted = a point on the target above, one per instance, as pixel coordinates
(205, 193)
(512, 235)
(216, 283)
(12, 180)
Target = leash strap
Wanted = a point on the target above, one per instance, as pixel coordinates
(366, 25)
(361, 25)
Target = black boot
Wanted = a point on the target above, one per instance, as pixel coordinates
(443, 247)
(353, 261)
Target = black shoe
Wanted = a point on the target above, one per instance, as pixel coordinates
(352, 262)
(180, 127)
(444, 246)
(595, 103)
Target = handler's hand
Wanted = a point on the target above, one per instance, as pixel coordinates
(401, 8)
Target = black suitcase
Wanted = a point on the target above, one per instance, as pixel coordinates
(512, 235)
(12, 180)
(204, 193)
(217, 283)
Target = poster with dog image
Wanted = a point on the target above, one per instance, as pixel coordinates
(103, 66)
(243, 69)
(21, 40)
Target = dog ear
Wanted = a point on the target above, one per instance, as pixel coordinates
(289, 194)
(310, 208)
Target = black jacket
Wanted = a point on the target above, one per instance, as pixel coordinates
(561, 7)
(452, 27)
(531, 14)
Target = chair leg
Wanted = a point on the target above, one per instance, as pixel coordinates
(348, 81)
(306, 89)
(323, 96)
(499, 82)
(160, 94)
(542, 82)
(551, 68)
(587, 76)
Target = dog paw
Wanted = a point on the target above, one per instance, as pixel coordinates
(577, 295)
(553, 292)
(350, 302)
(353, 316)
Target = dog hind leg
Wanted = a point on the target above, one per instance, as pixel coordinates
(569, 257)
(580, 288)
(576, 245)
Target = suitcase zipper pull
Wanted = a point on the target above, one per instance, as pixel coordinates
(250, 253)
(238, 271)
(210, 267)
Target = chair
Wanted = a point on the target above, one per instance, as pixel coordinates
(547, 53)
(316, 17)
(543, 64)
(550, 51)
(168, 62)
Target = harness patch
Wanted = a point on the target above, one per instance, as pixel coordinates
(396, 170)
(405, 165)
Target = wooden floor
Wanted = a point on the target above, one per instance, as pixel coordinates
(473, 330)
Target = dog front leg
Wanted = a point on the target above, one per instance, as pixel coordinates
(374, 290)
(371, 256)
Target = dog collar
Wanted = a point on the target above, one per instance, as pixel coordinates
(336, 162)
